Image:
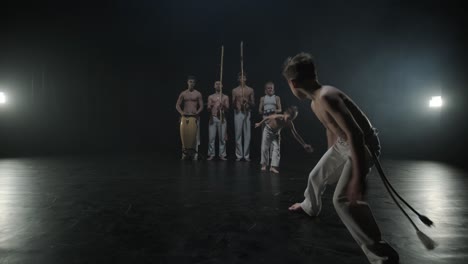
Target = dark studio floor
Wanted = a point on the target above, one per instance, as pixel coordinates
(152, 209)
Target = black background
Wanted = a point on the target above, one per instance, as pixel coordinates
(104, 77)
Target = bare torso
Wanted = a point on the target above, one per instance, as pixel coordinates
(216, 103)
(277, 122)
(326, 118)
(239, 97)
(190, 101)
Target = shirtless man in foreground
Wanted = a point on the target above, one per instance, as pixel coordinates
(192, 102)
(346, 162)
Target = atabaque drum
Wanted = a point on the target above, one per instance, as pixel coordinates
(188, 133)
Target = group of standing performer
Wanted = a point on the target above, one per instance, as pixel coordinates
(190, 103)
(352, 141)
(243, 101)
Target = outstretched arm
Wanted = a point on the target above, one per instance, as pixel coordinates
(299, 139)
(261, 122)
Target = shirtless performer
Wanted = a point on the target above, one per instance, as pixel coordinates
(192, 105)
(218, 104)
(346, 162)
(243, 101)
(271, 136)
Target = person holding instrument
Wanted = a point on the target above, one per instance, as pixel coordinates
(218, 104)
(190, 104)
(243, 100)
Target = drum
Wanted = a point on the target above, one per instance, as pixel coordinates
(188, 133)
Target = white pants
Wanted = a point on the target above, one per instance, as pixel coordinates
(263, 126)
(270, 144)
(336, 167)
(220, 128)
(242, 124)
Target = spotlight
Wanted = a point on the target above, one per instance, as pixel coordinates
(435, 102)
(3, 98)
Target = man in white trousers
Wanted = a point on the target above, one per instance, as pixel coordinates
(346, 163)
(269, 104)
(218, 104)
(243, 101)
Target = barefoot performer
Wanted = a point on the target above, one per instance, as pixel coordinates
(192, 102)
(346, 162)
(271, 136)
(269, 104)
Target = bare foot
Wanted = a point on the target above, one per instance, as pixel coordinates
(295, 207)
(263, 168)
(274, 170)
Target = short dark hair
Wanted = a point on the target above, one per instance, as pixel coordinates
(292, 111)
(300, 67)
(191, 77)
(240, 75)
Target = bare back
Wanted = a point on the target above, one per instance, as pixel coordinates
(326, 118)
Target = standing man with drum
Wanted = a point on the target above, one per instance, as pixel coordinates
(192, 104)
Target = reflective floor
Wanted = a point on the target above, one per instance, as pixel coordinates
(161, 210)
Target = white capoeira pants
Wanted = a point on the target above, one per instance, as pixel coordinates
(270, 144)
(336, 167)
(242, 126)
(217, 127)
(263, 126)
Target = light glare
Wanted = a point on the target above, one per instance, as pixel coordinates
(2, 98)
(436, 101)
